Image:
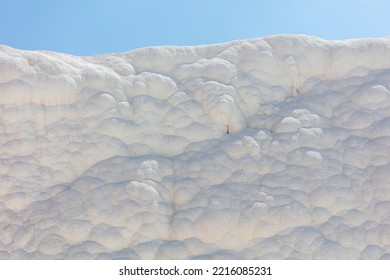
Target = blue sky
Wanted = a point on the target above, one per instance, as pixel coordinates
(88, 27)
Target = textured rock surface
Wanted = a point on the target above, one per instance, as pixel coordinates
(128, 155)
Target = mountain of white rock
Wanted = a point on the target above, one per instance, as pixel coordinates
(271, 148)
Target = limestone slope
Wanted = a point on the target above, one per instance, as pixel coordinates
(271, 148)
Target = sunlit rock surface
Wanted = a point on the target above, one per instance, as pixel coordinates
(272, 148)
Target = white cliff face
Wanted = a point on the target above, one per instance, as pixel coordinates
(128, 155)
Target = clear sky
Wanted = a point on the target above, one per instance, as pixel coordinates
(88, 27)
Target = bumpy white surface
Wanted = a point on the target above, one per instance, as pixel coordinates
(128, 156)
